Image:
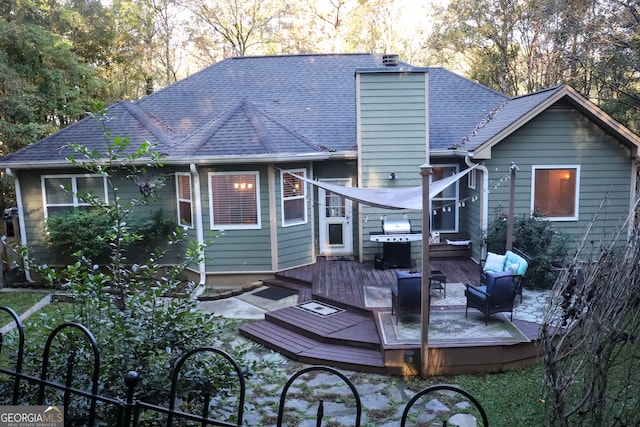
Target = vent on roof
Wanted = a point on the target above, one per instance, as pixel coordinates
(390, 60)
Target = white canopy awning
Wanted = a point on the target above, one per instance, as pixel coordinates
(389, 198)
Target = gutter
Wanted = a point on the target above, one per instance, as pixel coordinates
(484, 191)
(202, 268)
(484, 209)
(231, 159)
(23, 227)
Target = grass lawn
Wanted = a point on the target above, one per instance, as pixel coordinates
(20, 301)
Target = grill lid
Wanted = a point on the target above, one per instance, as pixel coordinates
(396, 226)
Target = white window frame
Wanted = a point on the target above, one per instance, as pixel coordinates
(213, 224)
(303, 196)
(454, 203)
(180, 199)
(471, 179)
(576, 215)
(73, 190)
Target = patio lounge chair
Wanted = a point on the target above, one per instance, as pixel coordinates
(496, 296)
(510, 262)
(406, 295)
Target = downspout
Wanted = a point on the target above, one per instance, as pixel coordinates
(195, 176)
(484, 207)
(23, 228)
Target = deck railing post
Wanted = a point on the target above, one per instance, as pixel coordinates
(426, 171)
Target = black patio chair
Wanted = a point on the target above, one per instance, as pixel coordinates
(406, 296)
(496, 296)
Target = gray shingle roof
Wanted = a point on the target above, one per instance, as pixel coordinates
(292, 104)
(505, 114)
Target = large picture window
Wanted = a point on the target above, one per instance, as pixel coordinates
(183, 194)
(61, 193)
(294, 197)
(555, 192)
(235, 201)
(444, 205)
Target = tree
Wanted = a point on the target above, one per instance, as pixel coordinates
(238, 28)
(43, 85)
(522, 46)
(590, 335)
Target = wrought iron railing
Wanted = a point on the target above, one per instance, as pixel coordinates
(127, 410)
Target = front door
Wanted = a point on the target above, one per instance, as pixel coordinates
(336, 230)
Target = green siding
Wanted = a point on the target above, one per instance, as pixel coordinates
(244, 250)
(393, 133)
(566, 137)
(295, 242)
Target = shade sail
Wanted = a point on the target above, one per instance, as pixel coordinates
(388, 198)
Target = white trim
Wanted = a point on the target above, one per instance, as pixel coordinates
(471, 180)
(75, 202)
(215, 226)
(303, 197)
(198, 225)
(273, 217)
(345, 221)
(180, 199)
(576, 215)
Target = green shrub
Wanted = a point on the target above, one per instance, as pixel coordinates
(70, 231)
(85, 229)
(536, 237)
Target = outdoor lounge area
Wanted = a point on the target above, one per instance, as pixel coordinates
(354, 324)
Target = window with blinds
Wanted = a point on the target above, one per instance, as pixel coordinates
(183, 195)
(294, 196)
(235, 201)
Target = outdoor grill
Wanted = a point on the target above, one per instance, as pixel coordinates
(396, 237)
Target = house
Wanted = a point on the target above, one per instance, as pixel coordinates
(241, 138)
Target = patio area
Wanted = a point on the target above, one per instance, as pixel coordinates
(351, 327)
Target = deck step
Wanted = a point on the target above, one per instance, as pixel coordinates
(308, 350)
(344, 328)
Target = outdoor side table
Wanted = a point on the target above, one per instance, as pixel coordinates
(438, 280)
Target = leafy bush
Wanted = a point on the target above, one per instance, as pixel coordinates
(74, 230)
(536, 237)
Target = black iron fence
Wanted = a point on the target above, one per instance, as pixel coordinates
(128, 411)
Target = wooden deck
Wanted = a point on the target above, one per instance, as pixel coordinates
(351, 339)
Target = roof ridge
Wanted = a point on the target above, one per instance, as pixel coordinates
(211, 127)
(550, 89)
(483, 123)
(303, 138)
(147, 121)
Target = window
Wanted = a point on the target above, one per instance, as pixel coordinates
(471, 179)
(183, 194)
(234, 199)
(294, 197)
(60, 192)
(555, 192)
(444, 205)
